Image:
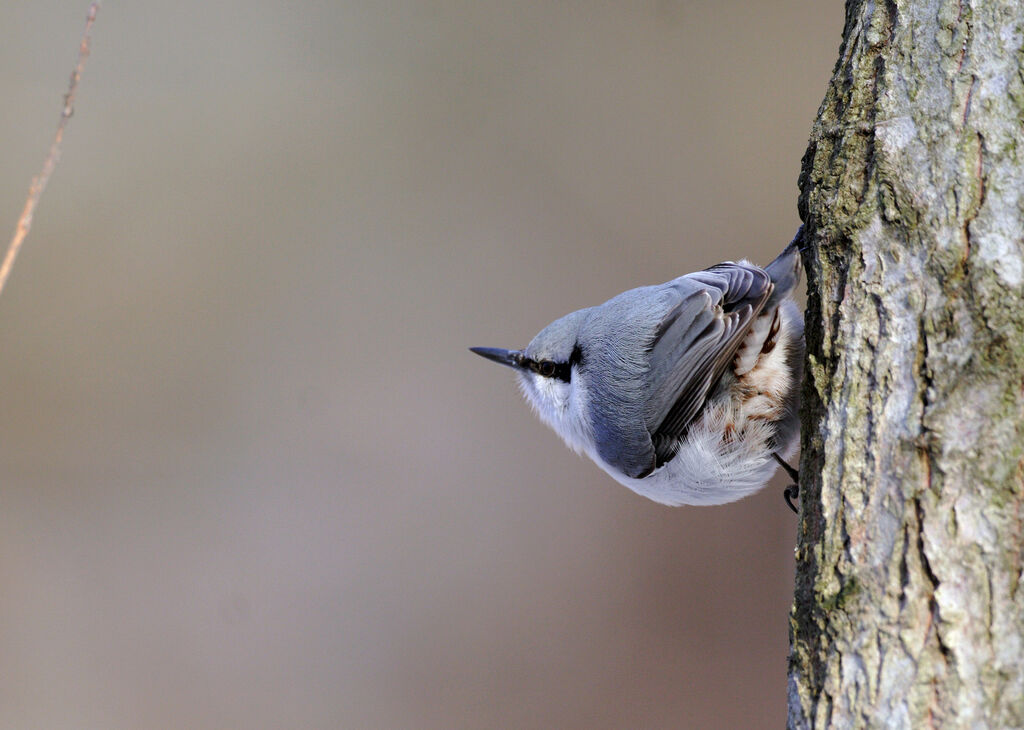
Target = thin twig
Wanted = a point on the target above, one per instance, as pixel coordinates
(35, 190)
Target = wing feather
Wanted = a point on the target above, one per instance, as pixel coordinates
(694, 345)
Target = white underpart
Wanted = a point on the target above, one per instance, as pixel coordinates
(750, 351)
(708, 470)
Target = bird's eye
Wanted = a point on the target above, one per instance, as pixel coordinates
(546, 368)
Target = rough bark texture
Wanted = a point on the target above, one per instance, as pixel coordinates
(909, 611)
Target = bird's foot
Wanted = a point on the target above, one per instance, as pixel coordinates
(792, 492)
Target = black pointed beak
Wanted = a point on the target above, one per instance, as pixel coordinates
(512, 358)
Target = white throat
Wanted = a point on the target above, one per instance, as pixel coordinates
(561, 406)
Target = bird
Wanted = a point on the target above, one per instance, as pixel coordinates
(685, 392)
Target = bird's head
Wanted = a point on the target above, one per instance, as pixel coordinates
(547, 367)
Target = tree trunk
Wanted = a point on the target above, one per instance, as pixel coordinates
(908, 611)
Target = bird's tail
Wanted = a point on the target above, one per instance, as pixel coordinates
(785, 270)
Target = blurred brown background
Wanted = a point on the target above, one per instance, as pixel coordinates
(250, 477)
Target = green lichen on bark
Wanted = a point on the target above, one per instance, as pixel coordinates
(907, 611)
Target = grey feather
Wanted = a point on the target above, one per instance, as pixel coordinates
(617, 344)
(686, 364)
(785, 270)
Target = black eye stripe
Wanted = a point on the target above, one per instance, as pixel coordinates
(550, 369)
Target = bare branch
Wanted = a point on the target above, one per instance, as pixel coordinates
(35, 190)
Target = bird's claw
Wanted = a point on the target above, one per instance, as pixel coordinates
(789, 494)
(792, 492)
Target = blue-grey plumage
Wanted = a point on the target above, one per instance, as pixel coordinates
(681, 391)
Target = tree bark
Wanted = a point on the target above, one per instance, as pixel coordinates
(908, 610)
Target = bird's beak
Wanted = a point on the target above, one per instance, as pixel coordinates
(512, 358)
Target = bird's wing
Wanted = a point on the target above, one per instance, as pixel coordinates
(695, 343)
